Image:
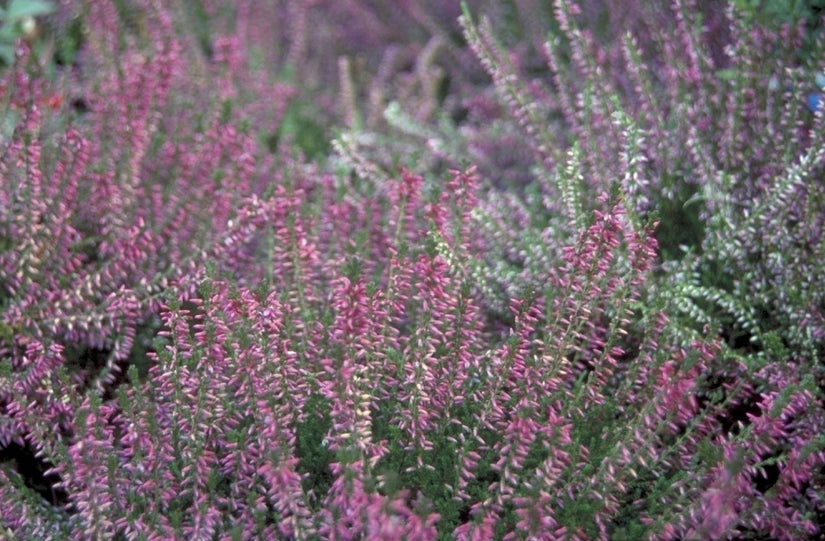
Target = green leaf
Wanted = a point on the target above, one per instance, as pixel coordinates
(465, 11)
(9, 33)
(7, 55)
(19, 9)
(727, 74)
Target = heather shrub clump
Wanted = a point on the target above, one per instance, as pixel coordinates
(690, 134)
(103, 212)
(573, 299)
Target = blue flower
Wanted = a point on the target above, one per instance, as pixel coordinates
(814, 101)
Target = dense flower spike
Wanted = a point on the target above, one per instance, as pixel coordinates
(610, 327)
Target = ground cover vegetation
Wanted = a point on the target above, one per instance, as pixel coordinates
(348, 269)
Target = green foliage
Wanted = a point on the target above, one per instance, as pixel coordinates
(17, 20)
(312, 452)
(300, 129)
(776, 13)
(779, 12)
(68, 42)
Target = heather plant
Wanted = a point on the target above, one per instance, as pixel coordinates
(725, 190)
(369, 397)
(689, 134)
(119, 175)
(206, 335)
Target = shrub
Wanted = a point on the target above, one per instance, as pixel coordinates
(114, 191)
(207, 335)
